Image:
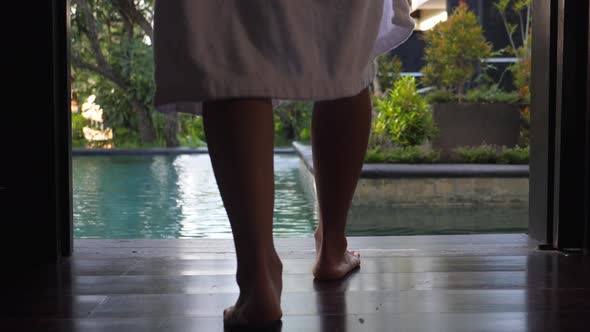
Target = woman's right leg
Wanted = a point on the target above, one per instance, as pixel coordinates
(240, 140)
(339, 138)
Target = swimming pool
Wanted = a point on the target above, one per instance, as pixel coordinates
(176, 196)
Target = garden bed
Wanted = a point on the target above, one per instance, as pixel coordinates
(474, 124)
(430, 184)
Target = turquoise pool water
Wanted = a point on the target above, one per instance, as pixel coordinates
(156, 197)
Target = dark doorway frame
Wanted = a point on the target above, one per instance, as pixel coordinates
(543, 76)
(560, 130)
(63, 125)
(35, 133)
(559, 186)
(570, 124)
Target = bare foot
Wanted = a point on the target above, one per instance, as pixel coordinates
(333, 260)
(259, 303)
(332, 269)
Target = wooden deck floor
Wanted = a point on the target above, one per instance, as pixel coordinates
(411, 283)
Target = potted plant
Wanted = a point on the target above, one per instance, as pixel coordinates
(403, 126)
(466, 117)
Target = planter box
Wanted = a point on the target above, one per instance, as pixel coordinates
(470, 124)
(442, 185)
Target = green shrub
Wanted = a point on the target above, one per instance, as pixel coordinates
(292, 122)
(305, 134)
(521, 71)
(401, 155)
(517, 155)
(491, 94)
(411, 155)
(78, 122)
(374, 156)
(159, 125)
(389, 70)
(491, 154)
(126, 138)
(525, 128)
(454, 50)
(517, 18)
(191, 130)
(79, 143)
(403, 115)
(483, 154)
(440, 96)
(378, 140)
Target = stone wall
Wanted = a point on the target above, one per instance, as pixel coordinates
(491, 188)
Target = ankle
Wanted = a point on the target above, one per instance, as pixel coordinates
(332, 249)
(261, 267)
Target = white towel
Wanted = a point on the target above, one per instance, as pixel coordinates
(281, 49)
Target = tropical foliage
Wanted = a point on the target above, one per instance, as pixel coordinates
(519, 35)
(112, 58)
(389, 68)
(492, 154)
(454, 51)
(402, 155)
(403, 115)
(292, 122)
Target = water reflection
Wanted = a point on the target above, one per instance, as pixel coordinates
(331, 302)
(177, 197)
(172, 197)
(202, 210)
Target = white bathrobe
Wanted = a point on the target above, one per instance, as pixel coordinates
(281, 49)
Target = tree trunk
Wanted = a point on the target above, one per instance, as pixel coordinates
(171, 130)
(146, 125)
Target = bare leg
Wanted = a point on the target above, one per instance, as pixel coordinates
(240, 139)
(339, 137)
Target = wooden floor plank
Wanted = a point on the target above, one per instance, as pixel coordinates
(369, 265)
(206, 284)
(308, 252)
(393, 264)
(375, 242)
(492, 282)
(408, 322)
(354, 302)
(21, 306)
